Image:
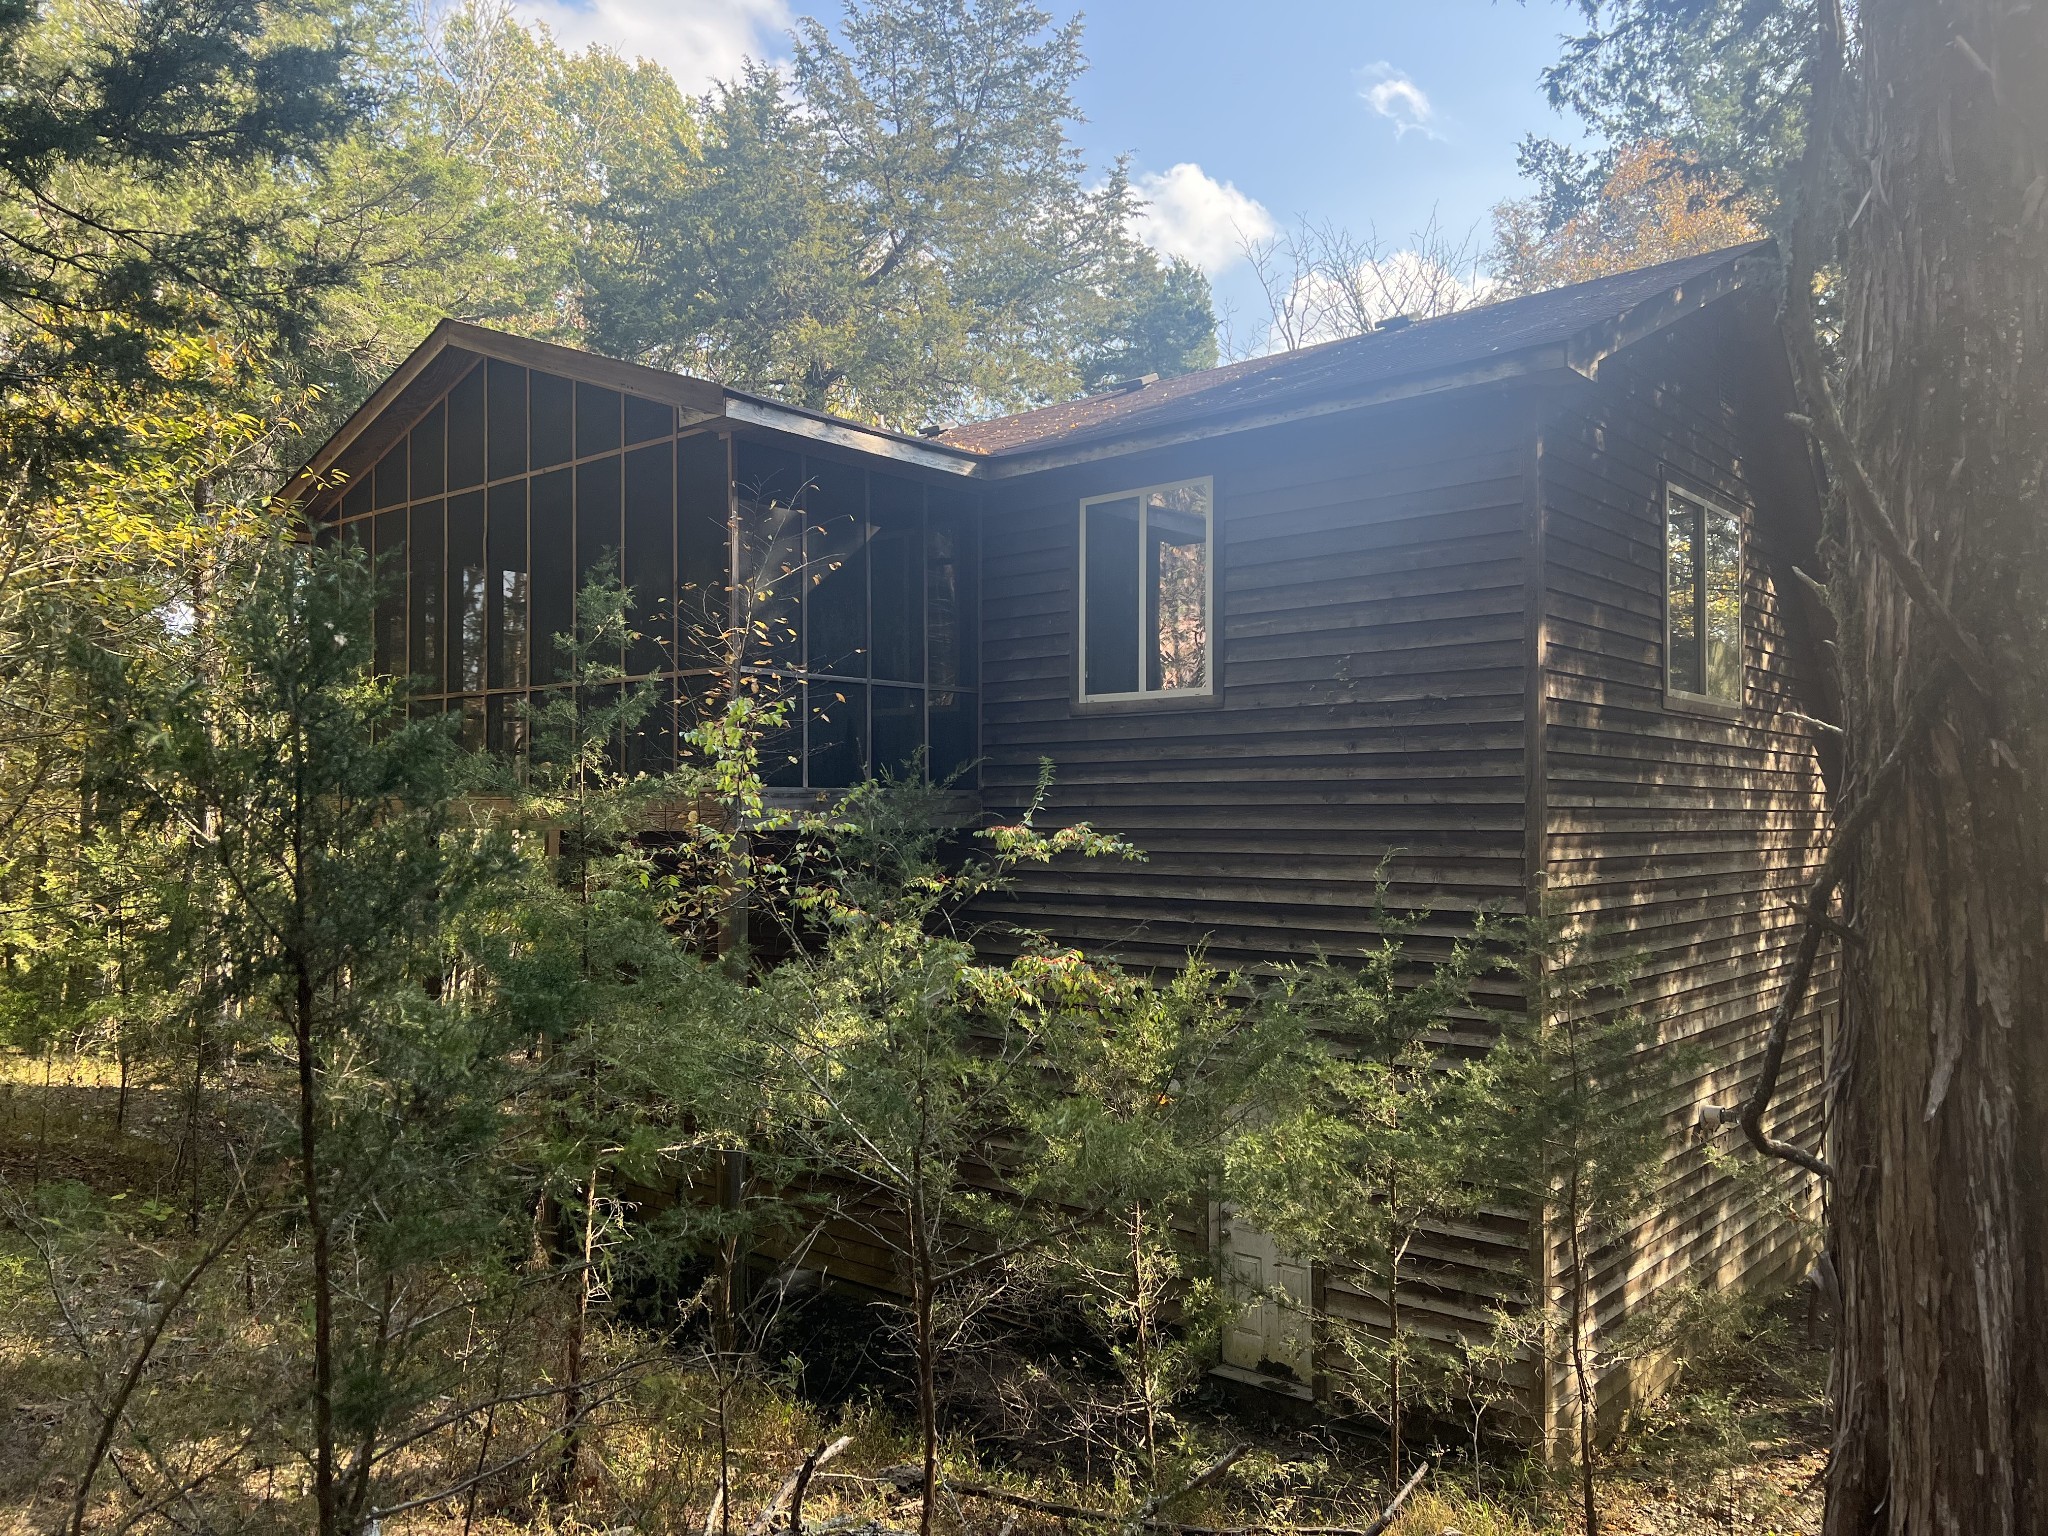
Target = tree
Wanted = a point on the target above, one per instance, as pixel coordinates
(120, 124)
(1387, 1135)
(1906, 162)
(1322, 282)
(1584, 1089)
(1722, 82)
(900, 231)
(316, 830)
(912, 1071)
(1160, 1079)
(1653, 206)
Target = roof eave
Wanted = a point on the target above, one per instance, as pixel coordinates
(1533, 363)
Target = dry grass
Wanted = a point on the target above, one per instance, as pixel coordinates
(1737, 1448)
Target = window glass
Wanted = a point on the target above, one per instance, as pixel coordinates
(507, 419)
(429, 453)
(1110, 595)
(551, 434)
(552, 584)
(507, 586)
(1145, 591)
(429, 526)
(1723, 606)
(650, 556)
(472, 724)
(597, 420)
(1703, 599)
(466, 431)
(1177, 588)
(467, 605)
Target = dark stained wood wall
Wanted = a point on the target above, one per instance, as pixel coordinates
(1379, 588)
(1688, 835)
(1370, 650)
(1372, 693)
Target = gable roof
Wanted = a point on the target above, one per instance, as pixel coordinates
(1580, 324)
(1566, 328)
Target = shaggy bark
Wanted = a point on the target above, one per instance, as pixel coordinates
(1942, 1085)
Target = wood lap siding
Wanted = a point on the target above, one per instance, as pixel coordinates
(1371, 578)
(1370, 702)
(1691, 837)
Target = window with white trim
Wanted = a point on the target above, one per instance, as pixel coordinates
(1702, 599)
(1148, 592)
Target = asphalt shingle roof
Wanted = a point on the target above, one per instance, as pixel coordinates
(1449, 343)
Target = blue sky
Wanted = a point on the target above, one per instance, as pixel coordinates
(1375, 114)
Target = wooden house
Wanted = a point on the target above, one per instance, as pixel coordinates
(1509, 594)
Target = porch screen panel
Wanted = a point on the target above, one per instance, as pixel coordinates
(388, 639)
(598, 532)
(896, 564)
(429, 444)
(468, 608)
(553, 579)
(771, 552)
(650, 558)
(466, 431)
(551, 420)
(506, 455)
(424, 554)
(835, 576)
(508, 586)
(597, 420)
(856, 591)
(703, 549)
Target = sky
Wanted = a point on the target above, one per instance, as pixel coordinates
(1239, 119)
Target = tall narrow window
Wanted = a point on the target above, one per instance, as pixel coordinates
(1147, 591)
(1703, 599)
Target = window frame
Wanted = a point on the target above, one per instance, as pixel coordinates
(1151, 698)
(1684, 699)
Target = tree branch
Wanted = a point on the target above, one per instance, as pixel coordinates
(1819, 922)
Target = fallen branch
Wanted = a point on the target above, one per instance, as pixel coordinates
(792, 1490)
(1199, 1481)
(1386, 1517)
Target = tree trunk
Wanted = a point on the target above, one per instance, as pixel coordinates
(325, 1501)
(1940, 1226)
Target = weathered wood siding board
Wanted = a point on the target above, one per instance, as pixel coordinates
(1370, 665)
(1689, 836)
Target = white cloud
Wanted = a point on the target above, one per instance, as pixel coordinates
(1397, 98)
(1330, 304)
(697, 41)
(1189, 213)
